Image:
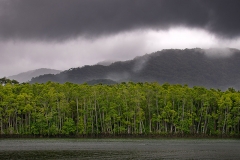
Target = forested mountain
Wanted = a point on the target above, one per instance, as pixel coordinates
(216, 68)
(27, 76)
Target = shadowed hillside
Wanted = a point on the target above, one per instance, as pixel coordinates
(217, 68)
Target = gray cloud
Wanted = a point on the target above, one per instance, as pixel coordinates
(21, 56)
(60, 20)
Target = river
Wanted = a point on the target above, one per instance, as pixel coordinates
(119, 149)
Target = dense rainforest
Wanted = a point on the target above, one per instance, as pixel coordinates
(52, 109)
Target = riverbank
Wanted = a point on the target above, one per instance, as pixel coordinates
(134, 136)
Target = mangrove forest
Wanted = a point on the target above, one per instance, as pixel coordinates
(51, 109)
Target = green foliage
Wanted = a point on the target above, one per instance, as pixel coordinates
(126, 108)
(69, 126)
(5, 80)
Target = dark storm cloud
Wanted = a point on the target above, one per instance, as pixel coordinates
(63, 19)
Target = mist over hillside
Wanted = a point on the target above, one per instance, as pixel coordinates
(27, 76)
(215, 68)
(106, 62)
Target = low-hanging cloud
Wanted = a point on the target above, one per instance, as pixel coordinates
(60, 20)
(219, 52)
(22, 56)
(118, 77)
(140, 63)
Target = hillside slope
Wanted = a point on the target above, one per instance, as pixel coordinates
(209, 68)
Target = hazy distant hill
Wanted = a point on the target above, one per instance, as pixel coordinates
(27, 76)
(209, 68)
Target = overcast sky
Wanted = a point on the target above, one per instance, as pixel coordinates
(63, 34)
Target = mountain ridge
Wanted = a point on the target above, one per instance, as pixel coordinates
(202, 67)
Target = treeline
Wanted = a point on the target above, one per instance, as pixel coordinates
(127, 108)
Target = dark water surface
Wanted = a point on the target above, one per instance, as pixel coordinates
(119, 149)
